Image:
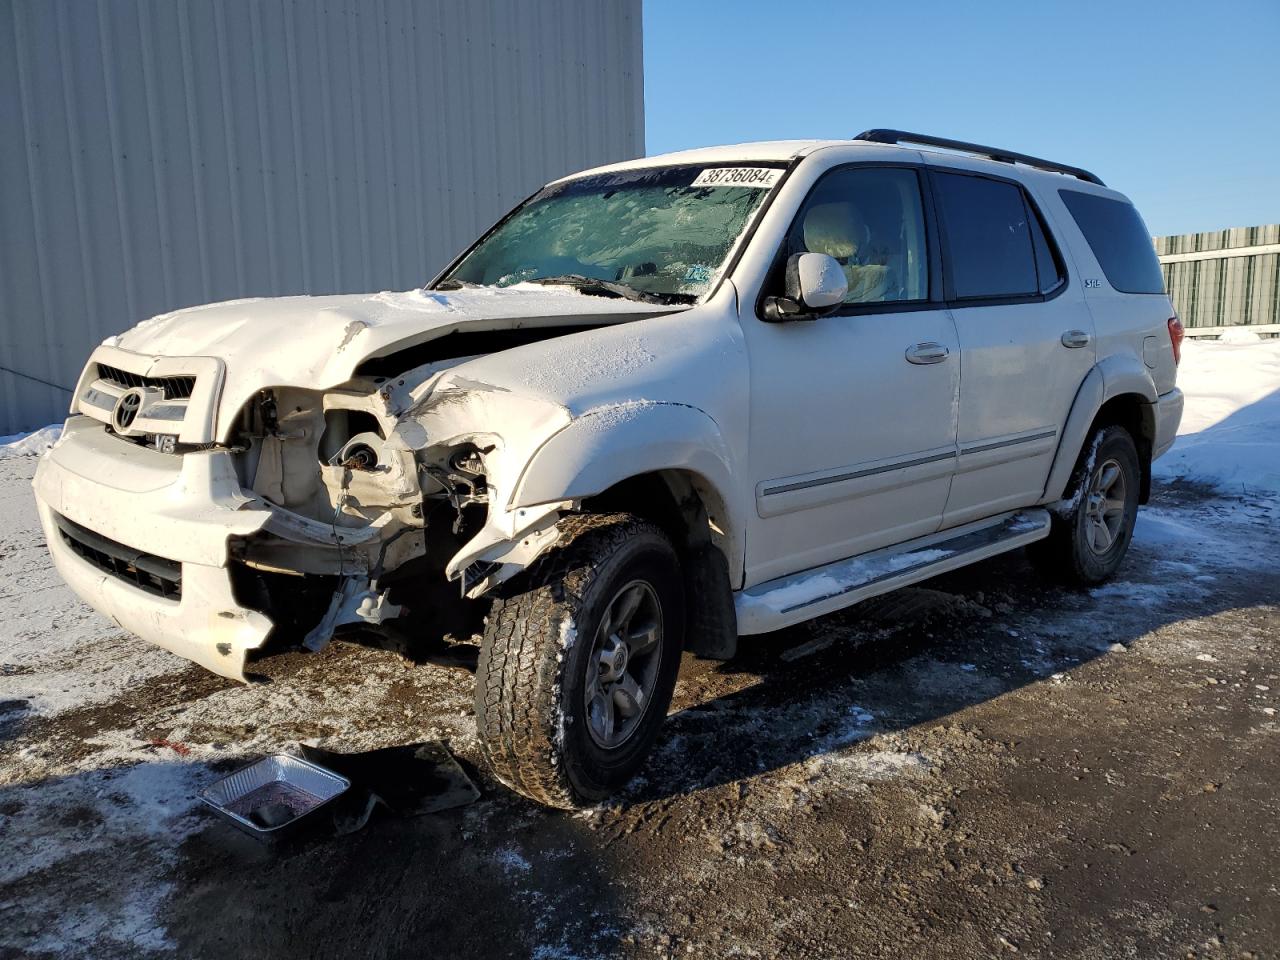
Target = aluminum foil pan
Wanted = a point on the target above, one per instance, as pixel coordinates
(270, 797)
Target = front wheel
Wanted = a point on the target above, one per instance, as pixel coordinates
(1088, 541)
(579, 661)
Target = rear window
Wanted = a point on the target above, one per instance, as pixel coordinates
(1119, 240)
(989, 247)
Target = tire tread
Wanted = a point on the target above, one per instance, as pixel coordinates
(1060, 556)
(519, 673)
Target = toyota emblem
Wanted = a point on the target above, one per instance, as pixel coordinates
(127, 408)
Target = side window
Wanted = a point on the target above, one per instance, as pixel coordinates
(1049, 270)
(1119, 240)
(872, 221)
(989, 249)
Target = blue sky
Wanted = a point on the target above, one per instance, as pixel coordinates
(1176, 104)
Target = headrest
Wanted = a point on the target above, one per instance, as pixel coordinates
(834, 229)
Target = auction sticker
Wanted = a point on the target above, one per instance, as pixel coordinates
(738, 177)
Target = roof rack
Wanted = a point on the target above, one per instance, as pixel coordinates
(993, 153)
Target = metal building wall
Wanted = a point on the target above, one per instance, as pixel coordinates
(1224, 278)
(161, 153)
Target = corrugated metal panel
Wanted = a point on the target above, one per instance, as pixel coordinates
(1231, 238)
(161, 153)
(1224, 290)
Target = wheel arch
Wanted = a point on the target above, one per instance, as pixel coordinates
(611, 446)
(1117, 391)
(689, 511)
(669, 463)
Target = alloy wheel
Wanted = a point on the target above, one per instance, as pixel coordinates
(623, 668)
(1105, 507)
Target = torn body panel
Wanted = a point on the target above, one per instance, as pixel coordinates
(497, 430)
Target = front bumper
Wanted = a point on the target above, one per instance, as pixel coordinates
(1168, 417)
(182, 509)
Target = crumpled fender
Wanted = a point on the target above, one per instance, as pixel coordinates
(450, 410)
(557, 421)
(1115, 375)
(611, 443)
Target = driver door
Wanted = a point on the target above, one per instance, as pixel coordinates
(853, 414)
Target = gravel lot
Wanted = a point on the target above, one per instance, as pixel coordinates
(983, 765)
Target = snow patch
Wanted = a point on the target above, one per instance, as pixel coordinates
(593, 360)
(873, 766)
(1239, 335)
(126, 816)
(512, 861)
(1064, 508)
(608, 417)
(30, 444)
(839, 578)
(1230, 428)
(854, 726)
(568, 638)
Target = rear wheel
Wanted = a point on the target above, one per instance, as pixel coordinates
(579, 661)
(1088, 542)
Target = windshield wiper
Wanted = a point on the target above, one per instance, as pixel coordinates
(608, 288)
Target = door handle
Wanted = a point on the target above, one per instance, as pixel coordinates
(929, 352)
(1074, 339)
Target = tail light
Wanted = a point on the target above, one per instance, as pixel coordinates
(1176, 333)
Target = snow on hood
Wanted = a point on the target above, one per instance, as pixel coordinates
(318, 342)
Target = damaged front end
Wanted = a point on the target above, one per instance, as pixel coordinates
(388, 498)
(240, 477)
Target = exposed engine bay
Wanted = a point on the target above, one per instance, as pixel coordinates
(364, 511)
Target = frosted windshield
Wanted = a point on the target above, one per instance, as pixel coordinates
(662, 231)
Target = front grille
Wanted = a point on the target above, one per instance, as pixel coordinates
(175, 388)
(153, 574)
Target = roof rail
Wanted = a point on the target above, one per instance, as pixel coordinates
(993, 153)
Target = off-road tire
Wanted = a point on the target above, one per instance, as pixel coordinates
(530, 711)
(1066, 555)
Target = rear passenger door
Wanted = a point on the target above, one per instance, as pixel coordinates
(1026, 340)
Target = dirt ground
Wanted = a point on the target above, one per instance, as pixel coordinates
(984, 765)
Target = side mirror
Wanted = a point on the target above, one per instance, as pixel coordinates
(814, 284)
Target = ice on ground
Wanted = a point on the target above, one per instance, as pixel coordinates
(29, 444)
(1146, 594)
(1156, 528)
(1182, 540)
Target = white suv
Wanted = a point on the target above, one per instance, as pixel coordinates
(660, 405)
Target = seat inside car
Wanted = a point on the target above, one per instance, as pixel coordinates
(838, 230)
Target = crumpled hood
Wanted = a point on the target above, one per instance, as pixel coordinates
(317, 342)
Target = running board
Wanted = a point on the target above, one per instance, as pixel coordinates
(812, 593)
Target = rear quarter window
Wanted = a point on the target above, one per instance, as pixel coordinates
(1119, 240)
